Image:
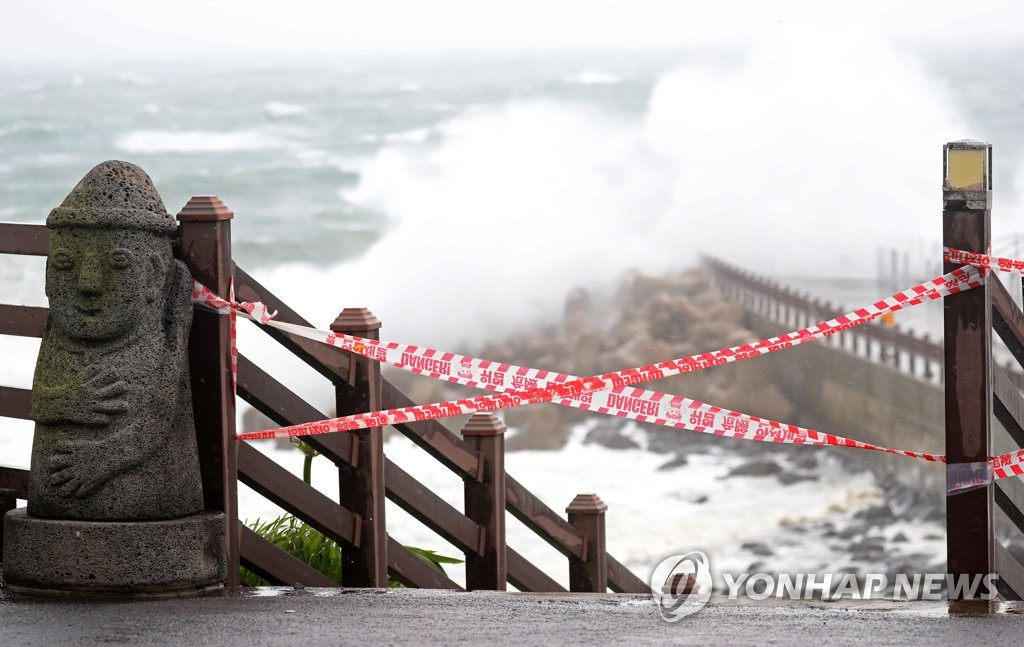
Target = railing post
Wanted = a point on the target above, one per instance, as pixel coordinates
(361, 484)
(590, 574)
(485, 504)
(205, 247)
(967, 320)
(8, 502)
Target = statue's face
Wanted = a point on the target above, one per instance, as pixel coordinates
(101, 282)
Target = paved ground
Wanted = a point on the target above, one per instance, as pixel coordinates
(337, 616)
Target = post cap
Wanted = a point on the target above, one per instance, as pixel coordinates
(967, 166)
(484, 424)
(967, 174)
(355, 320)
(586, 504)
(204, 208)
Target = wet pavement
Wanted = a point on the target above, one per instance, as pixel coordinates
(276, 616)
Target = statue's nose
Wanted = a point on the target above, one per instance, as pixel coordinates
(90, 277)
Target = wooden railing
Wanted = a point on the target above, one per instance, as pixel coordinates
(902, 350)
(356, 522)
(979, 392)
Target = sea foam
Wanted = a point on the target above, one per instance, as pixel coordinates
(196, 141)
(592, 77)
(278, 109)
(803, 158)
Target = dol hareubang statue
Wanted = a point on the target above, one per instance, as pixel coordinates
(114, 438)
(115, 496)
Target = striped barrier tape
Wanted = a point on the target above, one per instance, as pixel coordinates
(525, 383)
(487, 374)
(982, 261)
(612, 389)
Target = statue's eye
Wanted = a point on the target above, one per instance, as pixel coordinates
(120, 258)
(62, 260)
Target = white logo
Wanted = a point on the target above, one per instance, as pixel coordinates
(681, 585)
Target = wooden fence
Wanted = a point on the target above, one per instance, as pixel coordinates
(366, 476)
(984, 406)
(902, 350)
(979, 392)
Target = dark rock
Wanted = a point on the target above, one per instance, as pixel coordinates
(807, 463)
(114, 436)
(867, 546)
(756, 468)
(701, 499)
(788, 478)
(899, 538)
(678, 461)
(610, 436)
(877, 514)
(758, 548)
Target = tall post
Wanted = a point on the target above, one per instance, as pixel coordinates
(967, 320)
(485, 504)
(361, 484)
(205, 247)
(590, 574)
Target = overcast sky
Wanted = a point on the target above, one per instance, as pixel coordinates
(69, 31)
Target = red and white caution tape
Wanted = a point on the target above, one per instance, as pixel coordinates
(618, 399)
(497, 376)
(983, 261)
(610, 393)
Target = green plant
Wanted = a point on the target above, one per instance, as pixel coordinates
(307, 463)
(309, 545)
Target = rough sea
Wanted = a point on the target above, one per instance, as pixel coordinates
(462, 196)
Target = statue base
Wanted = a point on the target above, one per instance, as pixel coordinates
(143, 558)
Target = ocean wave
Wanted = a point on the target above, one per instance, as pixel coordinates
(506, 208)
(195, 141)
(592, 77)
(279, 109)
(133, 78)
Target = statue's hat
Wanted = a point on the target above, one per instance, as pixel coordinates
(114, 195)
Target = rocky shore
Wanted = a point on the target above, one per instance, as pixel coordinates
(641, 320)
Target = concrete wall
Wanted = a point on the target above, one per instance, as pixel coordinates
(837, 392)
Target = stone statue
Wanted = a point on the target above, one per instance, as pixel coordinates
(114, 437)
(115, 501)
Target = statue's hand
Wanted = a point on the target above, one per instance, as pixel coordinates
(91, 398)
(75, 468)
(101, 396)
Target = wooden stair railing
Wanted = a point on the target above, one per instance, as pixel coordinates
(282, 406)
